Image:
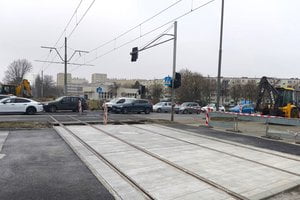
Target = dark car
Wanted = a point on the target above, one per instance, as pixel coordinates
(133, 105)
(65, 103)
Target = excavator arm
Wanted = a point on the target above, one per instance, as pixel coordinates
(273, 94)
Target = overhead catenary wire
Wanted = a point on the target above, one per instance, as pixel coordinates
(77, 23)
(137, 26)
(131, 29)
(151, 31)
(59, 38)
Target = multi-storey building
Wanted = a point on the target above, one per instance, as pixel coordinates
(99, 78)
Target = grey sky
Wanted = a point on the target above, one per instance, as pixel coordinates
(261, 37)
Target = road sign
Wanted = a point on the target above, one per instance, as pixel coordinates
(168, 81)
(99, 90)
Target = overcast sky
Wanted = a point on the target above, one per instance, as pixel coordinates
(261, 37)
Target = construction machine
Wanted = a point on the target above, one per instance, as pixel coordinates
(279, 101)
(21, 90)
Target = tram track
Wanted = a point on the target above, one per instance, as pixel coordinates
(226, 142)
(219, 151)
(106, 161)
(186, 171)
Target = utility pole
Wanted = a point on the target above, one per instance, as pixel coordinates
(220, 58)
(66, 65)
(174, 71)
(42, 87)
(65, 61)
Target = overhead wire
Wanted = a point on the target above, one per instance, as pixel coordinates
(59, 38)
(139, 25)
(151, 31)
(81, 18)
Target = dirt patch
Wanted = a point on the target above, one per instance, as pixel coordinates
(25, 125)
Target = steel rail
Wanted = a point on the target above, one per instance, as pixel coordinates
(222, 141)
(219, 151)
(107, 162)
(197, 176)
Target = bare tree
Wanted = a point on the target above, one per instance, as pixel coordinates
(235, 92)
(49, 87)
(250, 91)
(16, 71)
(191, 89)
(155, 91)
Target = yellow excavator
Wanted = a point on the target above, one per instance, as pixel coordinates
(279, 101)
(21, 90)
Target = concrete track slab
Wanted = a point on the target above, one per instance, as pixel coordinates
(155, 176)
(235, 173)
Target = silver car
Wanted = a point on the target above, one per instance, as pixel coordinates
(162, 107)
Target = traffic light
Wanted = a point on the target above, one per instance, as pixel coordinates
(142, 90)
(177, 81)
(134, 54)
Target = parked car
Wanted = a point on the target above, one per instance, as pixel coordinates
(65, 103)
(188, 108)
(245, 108)
(162, 107)
(20, 105)
(133, 105)
(116, 101)
(212, 107)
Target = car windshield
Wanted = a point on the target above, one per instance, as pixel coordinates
(159, 104)
(184, 104)
(114, 100)
(129, 100)
(59, 98)
(2, 100)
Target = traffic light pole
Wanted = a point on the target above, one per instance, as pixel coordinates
(174, 71)
(136, 50)
(220, 59)
(66, 66)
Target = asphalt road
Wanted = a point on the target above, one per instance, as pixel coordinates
(40, 165)
(94, 115)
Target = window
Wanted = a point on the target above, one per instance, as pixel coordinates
(21, 101)
(66, 100)
(11, 100)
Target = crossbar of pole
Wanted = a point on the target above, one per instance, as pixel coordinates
(156, 44)
(45, 61)
(65, 61)
(147, 46)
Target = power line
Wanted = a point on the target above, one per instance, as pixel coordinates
(147, 33)
(74, 13)
(139, 25)
(81, 18)
(64, 30)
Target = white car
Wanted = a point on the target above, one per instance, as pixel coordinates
(212, 107)
(20, 105)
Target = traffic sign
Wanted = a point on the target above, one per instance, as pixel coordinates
(99, 90)
(168, 81)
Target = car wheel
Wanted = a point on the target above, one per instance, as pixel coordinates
(159, 110)
(30, 111)
(53, 109)
(185, 112)
(124, 111)
(147, 111)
